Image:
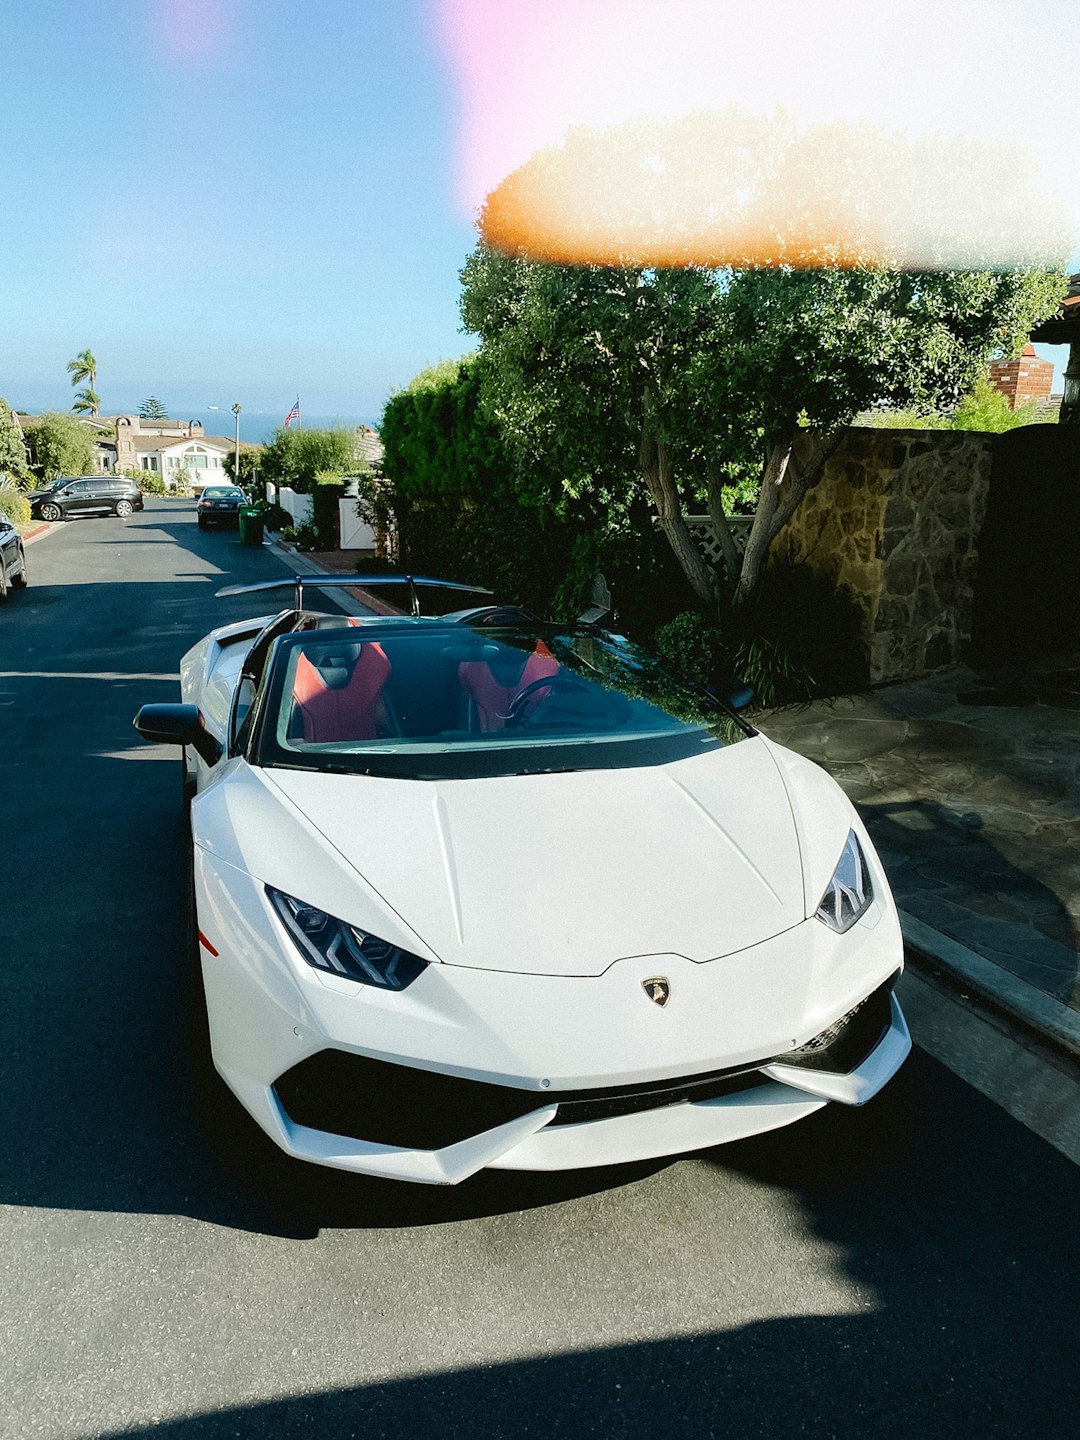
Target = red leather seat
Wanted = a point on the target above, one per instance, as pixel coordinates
(492, 698)
(341, 712)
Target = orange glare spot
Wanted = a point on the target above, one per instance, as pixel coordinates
(734, 189)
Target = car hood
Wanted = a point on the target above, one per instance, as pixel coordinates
(564, 874)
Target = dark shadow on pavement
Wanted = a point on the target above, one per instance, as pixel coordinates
(960, 1318)
(944, 870)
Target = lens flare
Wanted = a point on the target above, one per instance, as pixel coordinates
(779, 132)
(735, 189)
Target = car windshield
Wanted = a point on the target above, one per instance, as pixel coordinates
(446, 701)
(222, 492)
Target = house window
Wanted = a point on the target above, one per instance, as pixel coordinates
(148, 462)
(195, 460)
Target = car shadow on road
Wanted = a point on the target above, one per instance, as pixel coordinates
(957, 1311)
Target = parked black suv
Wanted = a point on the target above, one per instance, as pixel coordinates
(86, 495)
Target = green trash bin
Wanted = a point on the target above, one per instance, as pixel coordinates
(251, 525)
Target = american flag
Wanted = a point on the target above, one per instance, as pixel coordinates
(294, 414)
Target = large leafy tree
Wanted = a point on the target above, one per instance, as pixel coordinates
(696, 301)
(685, 377)
(83, 371)
(60, 445)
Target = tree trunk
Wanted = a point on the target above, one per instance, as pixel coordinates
(654, 459)
(714, 480)
(786, 479)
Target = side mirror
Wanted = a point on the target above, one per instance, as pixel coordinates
(177, 725)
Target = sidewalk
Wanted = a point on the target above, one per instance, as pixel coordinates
(970, 788)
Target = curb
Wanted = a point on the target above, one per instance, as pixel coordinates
(36, 532)
(1048, 1019)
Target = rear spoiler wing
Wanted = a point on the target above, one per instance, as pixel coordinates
(296, 583)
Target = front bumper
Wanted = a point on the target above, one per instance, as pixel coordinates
(470, 1069)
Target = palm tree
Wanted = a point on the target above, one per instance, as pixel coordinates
(86, 402)
(83, 371)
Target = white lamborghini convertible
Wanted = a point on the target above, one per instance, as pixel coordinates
(480, 891)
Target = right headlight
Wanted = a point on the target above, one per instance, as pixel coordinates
(849, 893)
(327, 943)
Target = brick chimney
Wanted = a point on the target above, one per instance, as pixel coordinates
(1023, 379)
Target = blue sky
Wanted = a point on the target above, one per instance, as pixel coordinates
(251, 199)
(227, 199)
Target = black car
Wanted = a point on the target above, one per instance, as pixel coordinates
(219, 505)
(12, 558)
(86, 495)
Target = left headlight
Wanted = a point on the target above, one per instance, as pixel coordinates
(333, 945)
(849, 893)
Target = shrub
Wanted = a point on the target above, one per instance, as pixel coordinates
(304, 537)
(14, 504)
(798, 638)
(692, 647)
(150, 482)
(276, 517)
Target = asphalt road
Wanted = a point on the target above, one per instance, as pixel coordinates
(908, 1269)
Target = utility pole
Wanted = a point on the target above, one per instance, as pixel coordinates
(236, 457)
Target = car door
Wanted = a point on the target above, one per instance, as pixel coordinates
(101, 495)
(77, 498)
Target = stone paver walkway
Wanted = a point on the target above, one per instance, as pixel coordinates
(970, 787)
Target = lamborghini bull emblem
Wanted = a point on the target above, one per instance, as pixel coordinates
(658, 990)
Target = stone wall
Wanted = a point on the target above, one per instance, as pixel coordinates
(896, 517)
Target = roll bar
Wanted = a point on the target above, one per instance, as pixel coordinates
(329, 582)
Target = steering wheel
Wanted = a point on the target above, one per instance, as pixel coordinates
(515, 714)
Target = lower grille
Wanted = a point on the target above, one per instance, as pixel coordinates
(386, 1104)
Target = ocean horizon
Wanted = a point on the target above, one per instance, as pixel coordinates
(256, 426)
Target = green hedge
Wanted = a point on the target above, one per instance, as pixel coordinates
(325, 515)
(533, 557)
